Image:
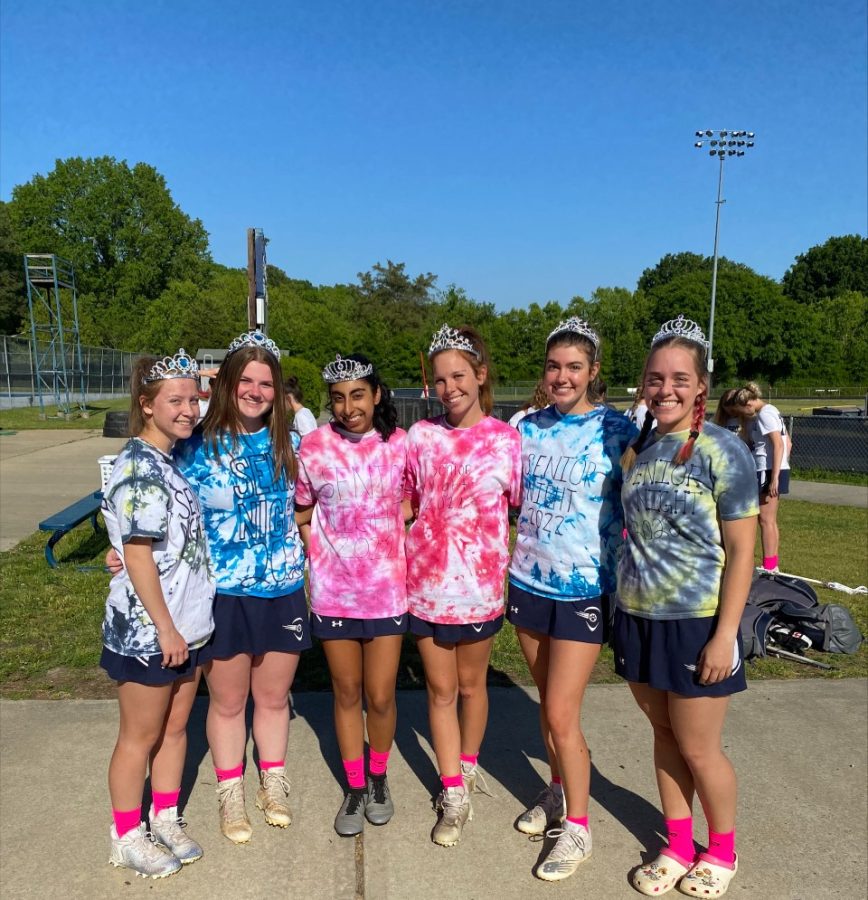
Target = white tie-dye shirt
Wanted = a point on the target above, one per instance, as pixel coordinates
(357, 563)
(147, 497)
(571, 521)
(462, 481)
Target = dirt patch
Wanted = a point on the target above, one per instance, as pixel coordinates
(62, 683)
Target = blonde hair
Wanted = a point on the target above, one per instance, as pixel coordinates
(744, 395)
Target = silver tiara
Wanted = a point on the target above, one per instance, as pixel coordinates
(178, 366)
(683, 328)
(451, 339)
(345, 370)
(254, 338)
(577, 326)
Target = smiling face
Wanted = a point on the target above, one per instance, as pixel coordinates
(672, 384)
(457, 386)
(172, 414)
(567, 375)
(254, 395)
(353, 404)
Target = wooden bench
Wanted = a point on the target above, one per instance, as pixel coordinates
(64, 521)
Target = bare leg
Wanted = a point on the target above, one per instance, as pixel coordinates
(441, 677)
(472, 662)
(382, 655)
(535, 648)
(228, 686)
(270, 680)
(170, 751)
(346, 667)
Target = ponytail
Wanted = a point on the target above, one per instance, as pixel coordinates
(686, 448)
(628, 458)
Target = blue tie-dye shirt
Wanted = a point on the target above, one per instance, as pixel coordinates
(253, 541)
(673, 559)
(569, 530)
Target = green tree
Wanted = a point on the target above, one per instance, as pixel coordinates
(830, 269)
(123, 232)
(622, 319)
(13, 290)
(309, 379)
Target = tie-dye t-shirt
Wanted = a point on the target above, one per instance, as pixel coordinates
(253, 541)
(357, 563)
(147, 497)
(571, 521)
(462, 481)
(673, 558)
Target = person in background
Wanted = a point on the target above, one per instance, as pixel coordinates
(727, 416)
(304, 421)
(540, 400)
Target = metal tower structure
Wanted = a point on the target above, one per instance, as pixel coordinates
(53, 306)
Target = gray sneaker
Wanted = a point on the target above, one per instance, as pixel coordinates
(350, 819)
(168, 828)
(547, 809)
(137, 850)
(571, 850)
(455, 810)
(379, 807)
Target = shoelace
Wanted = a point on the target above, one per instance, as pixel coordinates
(562, 849)
(451, 803)
(273, 782)
(231, 800)
(484, 789)
(379, 792)
(148, 845)
(355, 802)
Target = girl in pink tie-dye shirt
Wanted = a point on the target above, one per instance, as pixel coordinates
(464, 471)
(350, 490)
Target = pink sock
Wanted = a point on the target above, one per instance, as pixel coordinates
(126, 820)
(355, 769)
(679, 839)
(265, 764)
(470, 760)
(449, 781)
(377, 762)
(578, 820)
(165, 799)
(235, 772)
(722, 846)
(770, 562)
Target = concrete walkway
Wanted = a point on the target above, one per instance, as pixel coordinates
(43, 471)
(799, 748)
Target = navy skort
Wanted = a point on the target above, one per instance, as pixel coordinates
(455, 634)
(330, 628)
(147, 669)
(585, 620)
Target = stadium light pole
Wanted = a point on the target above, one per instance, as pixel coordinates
(720, 146)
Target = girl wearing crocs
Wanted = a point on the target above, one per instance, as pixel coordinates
(690, 506)
(463, 472)
(158, 615)
(242, 466)
(353, 471)
(562, 571)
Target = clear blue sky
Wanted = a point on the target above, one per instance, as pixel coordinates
(525, 151)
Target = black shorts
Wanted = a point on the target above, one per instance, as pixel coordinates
(330, 628)
(764, 478)
(147, 669)
(258, 625)
(663, 653)
(455, 634)
(585, 620)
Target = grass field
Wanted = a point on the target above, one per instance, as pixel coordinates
(28, 417)
(50, 618)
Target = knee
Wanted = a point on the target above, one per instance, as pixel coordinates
(563, 723)
(663, 733)
(442, 695)
(227, 705)
(699, 754)
(272, 700)
(472, 690)
(380, 703)
(348, 694)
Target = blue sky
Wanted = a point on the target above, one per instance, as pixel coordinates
(525, 151)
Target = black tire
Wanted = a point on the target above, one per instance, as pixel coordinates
(117, 424)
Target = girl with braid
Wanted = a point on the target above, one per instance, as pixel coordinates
(690, 507)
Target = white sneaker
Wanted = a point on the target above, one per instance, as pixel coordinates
(233, 816)
(571, 850)
(547, 809)
(455, 810)
(168, 828)
(138, 851)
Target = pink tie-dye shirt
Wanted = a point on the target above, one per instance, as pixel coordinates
(357, 565)
(462, 480)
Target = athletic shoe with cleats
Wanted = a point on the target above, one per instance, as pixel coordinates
(350, 819)
(138, 851)
(571, 850)
(547, 810)
(233, 816)
(455, 810)
(168, 828)
(273, 797)
(379, 807)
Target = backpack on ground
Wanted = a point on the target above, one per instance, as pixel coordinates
(784, 612)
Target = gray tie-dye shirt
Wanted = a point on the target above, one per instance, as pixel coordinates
(148, 497)
(673, 558)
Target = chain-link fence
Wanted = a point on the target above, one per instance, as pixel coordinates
(105, 373)
(833, 443)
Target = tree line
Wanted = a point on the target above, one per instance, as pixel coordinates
(146, 282)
